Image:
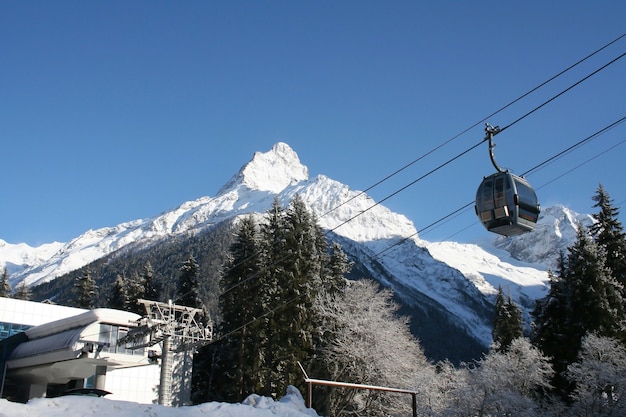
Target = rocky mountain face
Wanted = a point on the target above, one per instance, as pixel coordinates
(447, 288)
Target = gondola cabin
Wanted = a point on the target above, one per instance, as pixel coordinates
(506, 204)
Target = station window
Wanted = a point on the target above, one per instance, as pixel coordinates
(9, 329)
(110, 334)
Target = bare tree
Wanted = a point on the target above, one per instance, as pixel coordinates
(503, 383)
(599, 377)
(369, 344)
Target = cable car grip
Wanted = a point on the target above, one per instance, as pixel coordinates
(490, 132)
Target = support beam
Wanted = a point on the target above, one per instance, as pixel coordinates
(165, 385)
(100, 377)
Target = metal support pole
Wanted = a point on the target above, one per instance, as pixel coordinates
(100, 377)
(414, 395)
(309, 395)
(165, 384)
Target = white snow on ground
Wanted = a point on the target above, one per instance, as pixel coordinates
(292, 405)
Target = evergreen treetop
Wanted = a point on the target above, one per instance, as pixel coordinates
(5, 286)
(85, 290)
(608, 233)
(508, 324)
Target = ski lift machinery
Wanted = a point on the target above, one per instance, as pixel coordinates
(506, 204)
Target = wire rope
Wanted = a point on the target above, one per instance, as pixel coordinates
(476, 124)
(458, 155)
(534, 169)
(565, 91)
(478, 144)
(443, 164)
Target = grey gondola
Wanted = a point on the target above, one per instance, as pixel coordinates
(505, 203)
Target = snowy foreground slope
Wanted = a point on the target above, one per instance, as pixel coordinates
(292, 405)
(457, 280)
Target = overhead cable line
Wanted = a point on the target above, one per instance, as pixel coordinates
(535, 168)
(475, 124)
(581, 164)
(452, 214)
(449, 161)
(455, 137)
(574, 146)
(564, 91)
(498, 130)
(548, 183)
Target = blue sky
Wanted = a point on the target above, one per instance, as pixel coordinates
(119, 110)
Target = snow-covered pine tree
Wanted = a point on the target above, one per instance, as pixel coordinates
(152, 287)
(508, 324)
(337, 268)
(118, 297)
(85, 290)
(298, 278)
(275, 263)
(239, 361)
(608, 233)
(550, 315)
(5, 286)
(135, 289)
(596, 303)
(188, 284)
(583, 298)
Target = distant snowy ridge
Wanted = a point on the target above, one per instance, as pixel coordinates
(555, 231)
(460, 279)
(276, 172)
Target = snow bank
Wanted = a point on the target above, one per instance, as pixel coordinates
(292, 405)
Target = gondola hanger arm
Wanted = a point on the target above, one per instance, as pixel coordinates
(490, 132)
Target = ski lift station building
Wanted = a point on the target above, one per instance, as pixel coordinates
(46, 350)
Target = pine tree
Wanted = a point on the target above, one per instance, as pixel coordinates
(85, 290)
(269, 320)
(152, 287)
(118, 298)
(275, 263)
(338, 266)
(508, 324)
(596, 301)
(300, 283)
(5, 286)
(583, 298)
(239, 354)
(609, 234)
(188, 284)
(135, 288)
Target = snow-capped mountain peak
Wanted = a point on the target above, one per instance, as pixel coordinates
(270, 171)
(457, 279)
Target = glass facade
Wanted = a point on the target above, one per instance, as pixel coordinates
(9, 329)
(110, 334)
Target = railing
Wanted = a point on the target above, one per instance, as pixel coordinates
(310, 382)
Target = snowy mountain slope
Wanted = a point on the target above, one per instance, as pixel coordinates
(488, 271)
(458, 280)
(18, 257)
(555, 231)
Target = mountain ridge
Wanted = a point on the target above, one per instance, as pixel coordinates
(458, 280)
